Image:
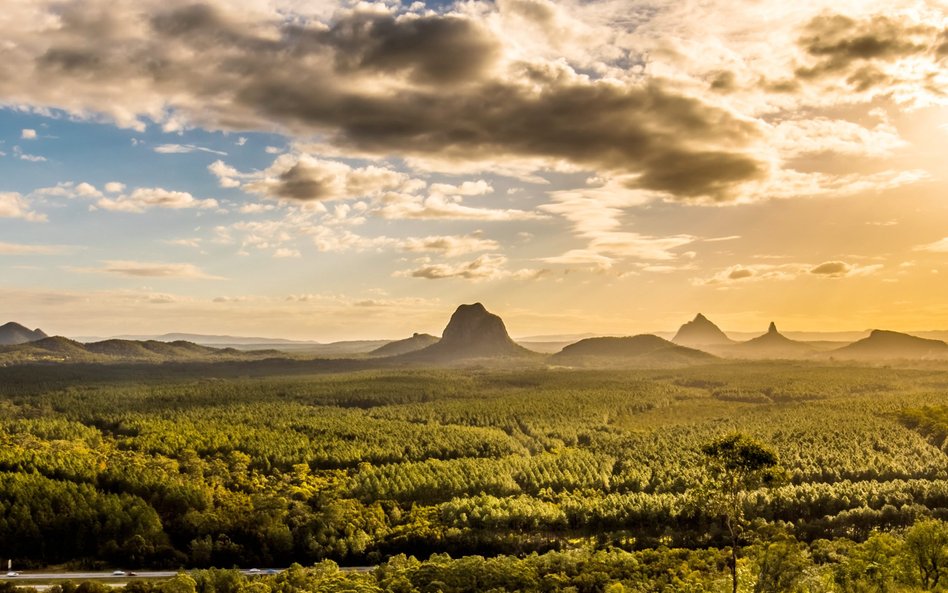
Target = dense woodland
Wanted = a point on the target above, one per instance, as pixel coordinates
(559, 478)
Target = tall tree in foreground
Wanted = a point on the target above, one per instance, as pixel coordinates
(736, 465)
(926, 545)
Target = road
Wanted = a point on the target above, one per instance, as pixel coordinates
(141, 574)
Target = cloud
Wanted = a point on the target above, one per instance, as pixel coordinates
(940, 246)
(184, 149)
(302, 178)
(28, 134)
(840, 43)
(596, 215)
(30, 158)
(435, 49)
(799, 137)
(145, 198)
(581, 257)
(283, 252)
(831, 268)
(440, 207)
(70, 189)
(306, 178)
(412, 84)
(21, 249)
(741, 274)
(839, 269)
(13, 205)
(484, 267)
(192, 243)
(155, 270)
(447, 245)
(892, 55)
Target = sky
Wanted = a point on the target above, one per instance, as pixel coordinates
(320, 170)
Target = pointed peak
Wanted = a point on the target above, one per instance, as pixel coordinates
(773, 328)
(700, 317)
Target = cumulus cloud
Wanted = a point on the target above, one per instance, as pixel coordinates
(800, 137)
(13, 205)
(28, 134)
(306, 179)
(145, 198)
(138, 200)
(843, 44)
(222, 67)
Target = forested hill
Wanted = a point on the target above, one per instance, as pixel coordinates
(59, 349)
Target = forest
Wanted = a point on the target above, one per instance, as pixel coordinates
(539, 479)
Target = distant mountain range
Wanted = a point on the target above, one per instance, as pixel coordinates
(60, 349)
(474, 334)
(884, 345)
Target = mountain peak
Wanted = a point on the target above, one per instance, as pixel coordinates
(12, 333)
(772, 329)
(700, 332)
(473, 332)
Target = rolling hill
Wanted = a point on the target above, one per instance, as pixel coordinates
(644, 349)
(412, 344)
(888, 345)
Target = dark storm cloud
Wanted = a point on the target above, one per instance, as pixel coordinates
(845, 46)
(644, 130)
(436, 49)
(444, 94)
(302, 182)
(831, 268)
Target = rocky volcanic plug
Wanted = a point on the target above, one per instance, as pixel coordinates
(701, 332)
(13, 333)
(472, 332)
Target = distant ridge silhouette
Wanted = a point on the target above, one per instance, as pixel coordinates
(13, 333)
(412, 344)
(641, 349)
(60, 349)
(772, 344)
(884, 344)
(701, 332)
